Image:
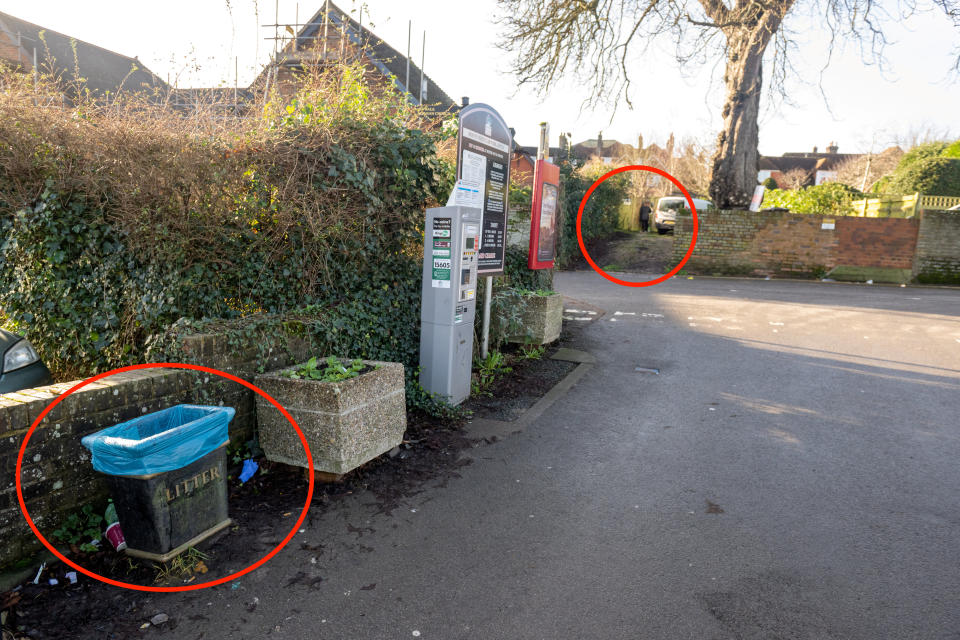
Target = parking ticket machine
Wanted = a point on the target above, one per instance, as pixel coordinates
(451, 243)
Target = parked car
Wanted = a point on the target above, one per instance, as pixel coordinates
(20, 366)
(955, 207)
(665, 214)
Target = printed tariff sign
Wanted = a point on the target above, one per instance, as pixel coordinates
(483, 157)
(442, 263)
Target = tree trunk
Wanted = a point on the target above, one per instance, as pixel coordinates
(736, 161)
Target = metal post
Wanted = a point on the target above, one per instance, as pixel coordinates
(343, 33)
(236, 81)
(36, 73)
(266, 90)
(423, 62)
(543, 150)
(326, 25)
(276, 26)
(406, 83)
(296, 28)
(487, 298)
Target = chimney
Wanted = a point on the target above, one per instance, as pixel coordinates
(563, 143)
(832, 147)
(600, 144)
(814, 148)
(464, 101)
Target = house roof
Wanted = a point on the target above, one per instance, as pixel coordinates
(387, 60)
(806, 161)
(532, 151)
(103, 70)
(610, 149)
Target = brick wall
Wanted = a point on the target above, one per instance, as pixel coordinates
(786, 244)
(877, 242)
(748, 243)
(938, 248)
(58, 477)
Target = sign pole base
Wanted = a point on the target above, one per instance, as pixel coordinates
(487, 297)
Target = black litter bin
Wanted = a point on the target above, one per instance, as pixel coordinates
(167, 473)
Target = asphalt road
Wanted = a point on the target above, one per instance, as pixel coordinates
(791, 473)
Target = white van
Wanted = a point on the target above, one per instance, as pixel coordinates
(665, 215)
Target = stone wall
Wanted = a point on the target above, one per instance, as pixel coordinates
(802, 245)
(57, 475)
(938, 248)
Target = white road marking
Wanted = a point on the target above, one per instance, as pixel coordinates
(624, 313)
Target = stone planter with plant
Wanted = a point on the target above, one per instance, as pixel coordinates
(540, 318)
(349, 411)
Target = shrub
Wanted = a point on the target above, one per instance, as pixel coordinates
(937, 176)
(831, 198)
(921, 152)
(770, 184)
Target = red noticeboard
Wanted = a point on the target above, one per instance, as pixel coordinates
(543, 216)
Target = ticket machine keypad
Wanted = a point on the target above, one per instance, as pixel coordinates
(468, 265)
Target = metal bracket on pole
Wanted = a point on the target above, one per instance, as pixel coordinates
(487, 297)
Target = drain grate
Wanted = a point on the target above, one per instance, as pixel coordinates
(652, 370)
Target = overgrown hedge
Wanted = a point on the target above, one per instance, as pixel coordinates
(600, 215)
(120, 221)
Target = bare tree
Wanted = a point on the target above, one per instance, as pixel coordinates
(861, 172)
(795, 178)
(596, 40)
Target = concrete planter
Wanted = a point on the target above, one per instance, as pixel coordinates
(346, 423)
(541, 320)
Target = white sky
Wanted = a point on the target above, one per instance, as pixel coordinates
(868, 110)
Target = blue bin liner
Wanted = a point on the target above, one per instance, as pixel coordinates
(160, 441)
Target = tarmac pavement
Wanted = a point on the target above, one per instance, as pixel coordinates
(791, 473)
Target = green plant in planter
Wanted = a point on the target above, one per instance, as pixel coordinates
(80, 529)
(330, 370)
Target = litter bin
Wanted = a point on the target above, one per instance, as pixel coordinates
(167, 473)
